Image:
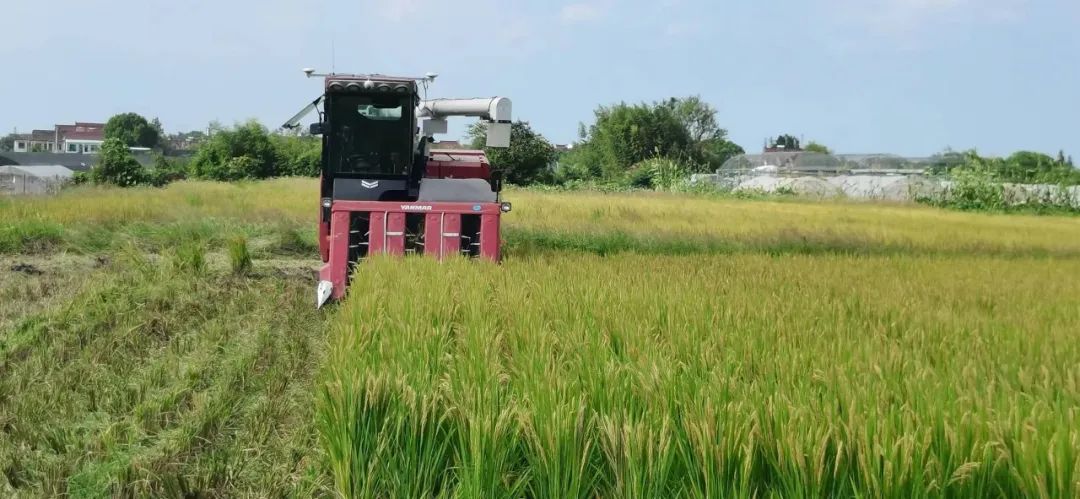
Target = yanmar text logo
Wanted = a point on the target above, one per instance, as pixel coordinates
(416, 207)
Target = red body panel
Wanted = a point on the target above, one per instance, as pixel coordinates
(324, 241)
(387, 232)
(443, 163)
(337, 269)
(443, 231)
(395, 233)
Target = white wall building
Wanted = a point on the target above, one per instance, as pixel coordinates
(80, 138)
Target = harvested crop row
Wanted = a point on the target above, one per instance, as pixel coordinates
(745, 375)
(152, 379)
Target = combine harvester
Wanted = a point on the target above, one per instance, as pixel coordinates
(385, 191)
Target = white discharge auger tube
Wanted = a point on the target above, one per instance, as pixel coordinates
(496, 109)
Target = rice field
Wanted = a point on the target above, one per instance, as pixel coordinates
(89, 220)
(630, 345)
(716, 376)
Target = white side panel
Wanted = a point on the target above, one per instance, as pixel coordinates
(434, 126)
(498, 134)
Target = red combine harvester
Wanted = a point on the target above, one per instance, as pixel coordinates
(385, 191)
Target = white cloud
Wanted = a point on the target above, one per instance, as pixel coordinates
(682, 28)
(902, 17)
(581, 12)
(398, 10)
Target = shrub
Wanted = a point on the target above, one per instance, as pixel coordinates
(165, 171)
(117, 166)
(297, 156)
(243, 152)
(660, 173)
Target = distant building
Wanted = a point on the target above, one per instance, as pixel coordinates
(184, 142)
(80, 138)
(35, 141)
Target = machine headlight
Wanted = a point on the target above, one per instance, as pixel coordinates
(326, 202)
(505, 207)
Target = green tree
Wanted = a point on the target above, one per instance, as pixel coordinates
(816, 147)
(1028, 166)
(714, 153)
(697, 117)
(787, 143)
(117, 166)
(162, 138)
(244, 151)
(581, 163)
(7, 142)
(133, 130)
(709, 145)
(526, 161)
(298, 155)
(624, 135)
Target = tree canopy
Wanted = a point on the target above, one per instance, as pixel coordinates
(242, 152)
(7, 142)
(623, 136)
(526, 161)
(133, 130)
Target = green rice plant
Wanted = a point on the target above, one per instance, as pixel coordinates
(633, 343)
(88, 219)
(189, 257)
(239, 256)
(710, 376)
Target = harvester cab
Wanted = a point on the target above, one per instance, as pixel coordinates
(384, 190)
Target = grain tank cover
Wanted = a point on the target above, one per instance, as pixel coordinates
(458, 190)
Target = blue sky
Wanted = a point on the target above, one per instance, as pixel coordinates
(904, 76)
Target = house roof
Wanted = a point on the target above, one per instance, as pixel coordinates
(43, 135)
(37, 136)
(95, 135)
(76, 162)
(39, 171)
